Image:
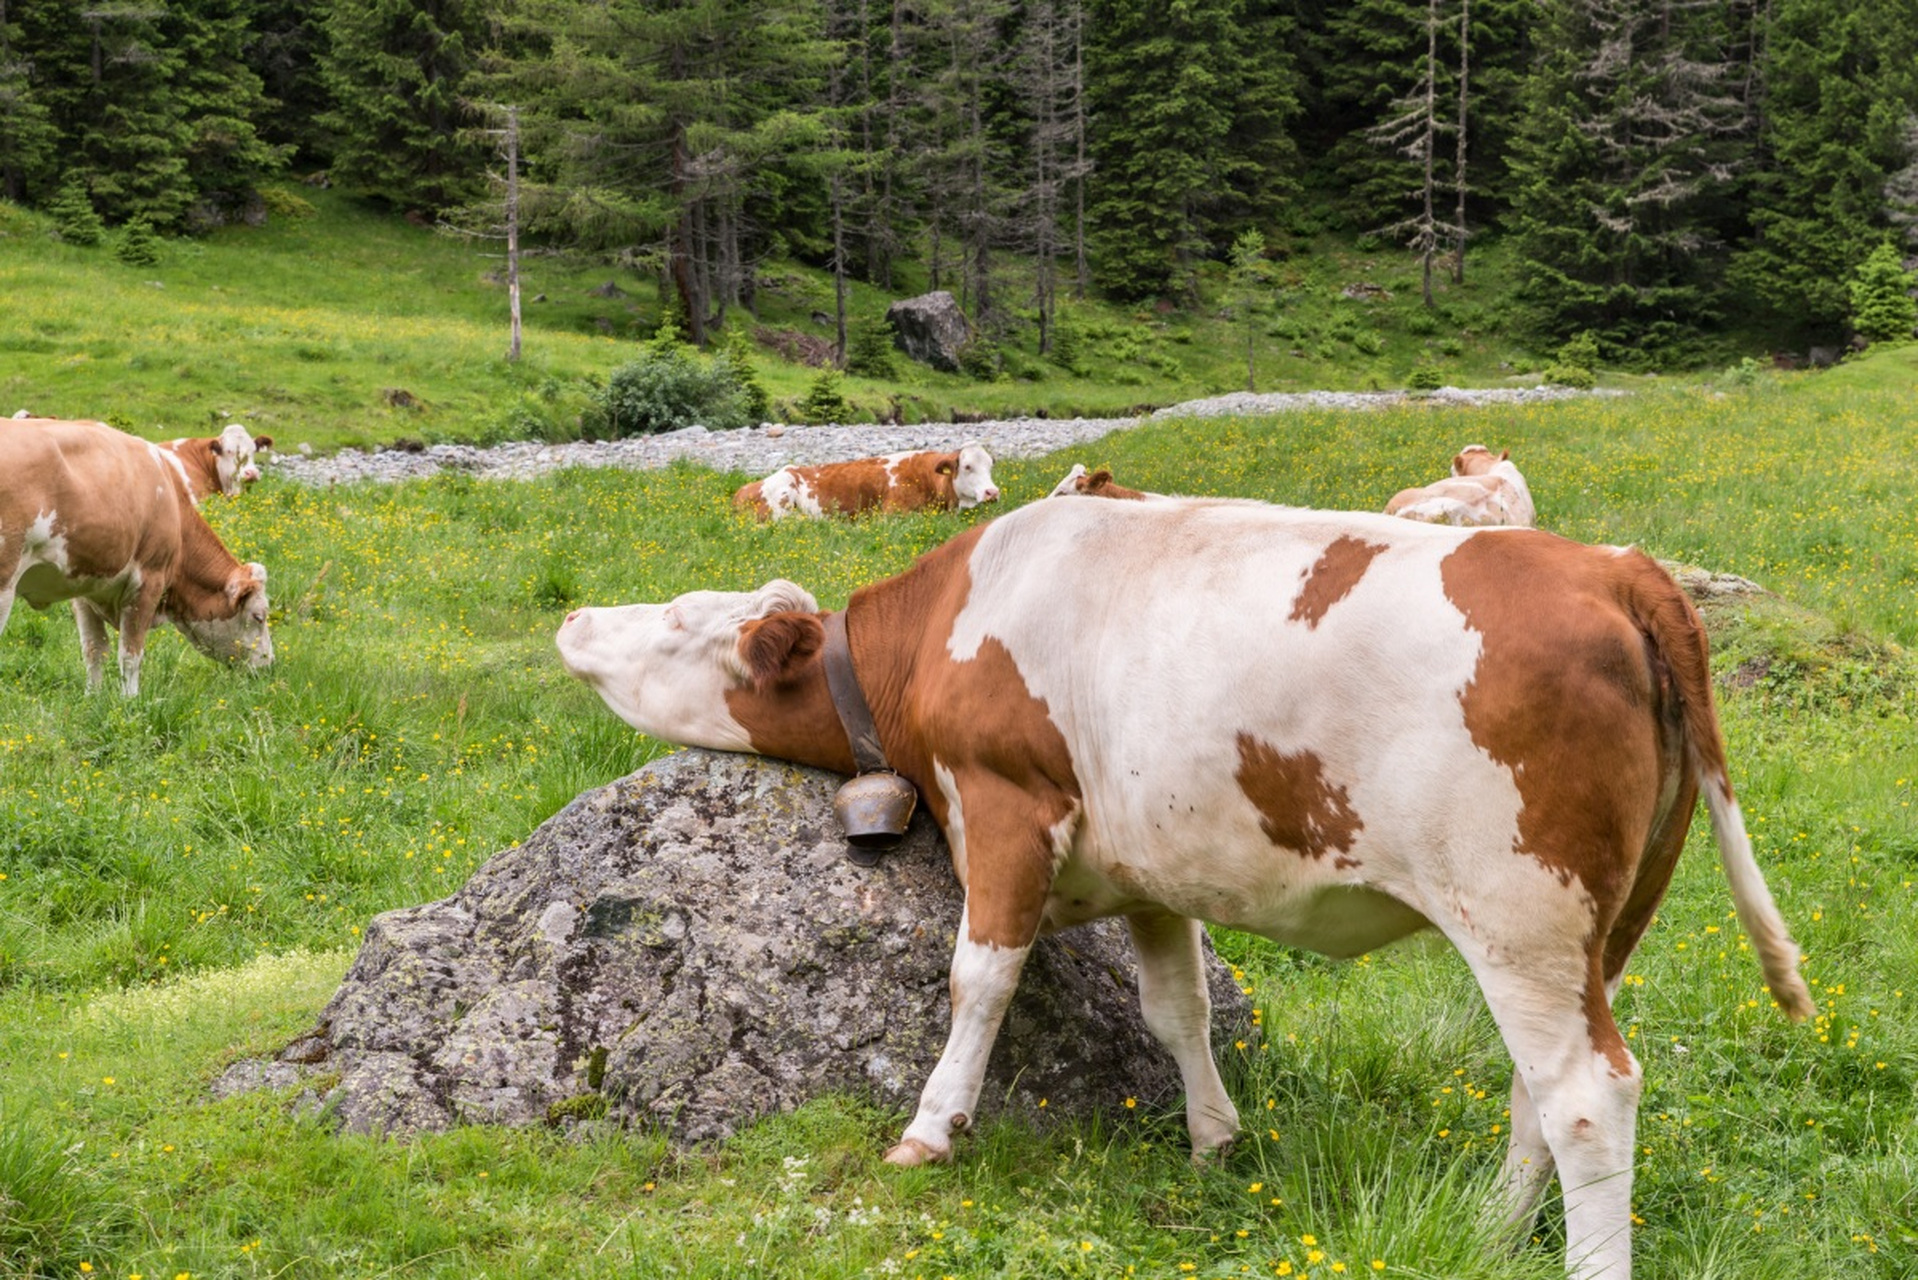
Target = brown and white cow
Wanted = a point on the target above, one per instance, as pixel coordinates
(1331, 729)
(98, 517)
(1099, 484)
(961, 478)
(218, 464)
(1483, 489)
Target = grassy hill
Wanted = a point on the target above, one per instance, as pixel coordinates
(305, 327)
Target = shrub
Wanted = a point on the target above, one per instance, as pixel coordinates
(1452, 347)
(74, 216)
(1067, 346)
(1425, 377)
(670, 387)
(1369, 342)
(1581, 351)
(869, 349)
(1576, 376)
(139, 246)
(823, 401)
(281, 203)
(735, 359)
(981, 359)
(1882, 309)
(1422, 322)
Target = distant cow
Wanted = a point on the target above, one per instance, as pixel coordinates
(893, 482)
(218, 464)
(1483, 489)
(93, 515)
(1099, 484)
(1329, 728)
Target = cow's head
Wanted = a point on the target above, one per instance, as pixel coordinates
(241, 636)
(233, 457)
(1073, 483)
(1476, 460)
(665, 669)
(970, 471)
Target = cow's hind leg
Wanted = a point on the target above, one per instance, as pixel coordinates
(93, 641)
(1583, 1086)
(1178, 1010)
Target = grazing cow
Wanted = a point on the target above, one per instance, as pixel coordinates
(1332, 729)
(222, 463)
(1099, 484)
(93, 515)
(1483, 489)
(893, 482)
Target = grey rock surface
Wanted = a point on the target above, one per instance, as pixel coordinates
(930, 328)
(690, 947)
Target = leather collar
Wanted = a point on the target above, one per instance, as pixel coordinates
(849, 701)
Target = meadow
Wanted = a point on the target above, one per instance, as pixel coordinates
(184, 877)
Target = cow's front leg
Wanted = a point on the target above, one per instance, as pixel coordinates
(1002, 837)
(1178, 1011)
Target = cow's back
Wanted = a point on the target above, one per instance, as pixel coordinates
(87, 498)
(1296, 700)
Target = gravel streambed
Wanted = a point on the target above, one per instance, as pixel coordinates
(765, 448)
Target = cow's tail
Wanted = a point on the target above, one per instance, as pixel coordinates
(1666, 615)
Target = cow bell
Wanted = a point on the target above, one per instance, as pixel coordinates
(874, 809)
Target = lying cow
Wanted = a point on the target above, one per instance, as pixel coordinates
(1332, 729)
(892, 482)
(93, 515)
(223, 463)
(1483, 489)
(1099, 484)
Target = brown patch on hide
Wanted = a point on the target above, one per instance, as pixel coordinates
(1332, 577)
(1299, 808)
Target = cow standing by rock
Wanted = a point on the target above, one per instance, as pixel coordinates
(891, 482)
(96, 516)
(1331, 729)
(1483, 489)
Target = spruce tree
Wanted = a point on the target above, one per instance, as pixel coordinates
(139, 246)
(29, 142)
(1882, 308)
(74, 216)
(219, 97)
(1839, 81)
(396, 70)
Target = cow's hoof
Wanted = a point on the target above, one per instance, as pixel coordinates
(1215, 1154)
(911, 1153)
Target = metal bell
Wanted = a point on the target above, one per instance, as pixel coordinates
(874, 809)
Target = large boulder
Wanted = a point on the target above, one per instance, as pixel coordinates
(690, 947)
(931, 329)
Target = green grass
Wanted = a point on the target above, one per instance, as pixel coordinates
(303, 326)
(186, 876)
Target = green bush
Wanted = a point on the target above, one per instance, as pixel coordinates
(1576, 376)
(1422, 322)
(1580, 352)
(74, 216)
(981, 359)
(823, 401)
(1067, 347)
(670, 387)
(735, 359)
(1425, 377)
(281, 203)
(869, 349)
(1882, 309)
(139, 246)
(1369, 342)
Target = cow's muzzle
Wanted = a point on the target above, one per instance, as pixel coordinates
(874, 809)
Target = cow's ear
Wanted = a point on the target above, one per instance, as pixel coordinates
(262, 442)
(775, 649)
(947, 465)
(214, 444)
(1504, 455)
